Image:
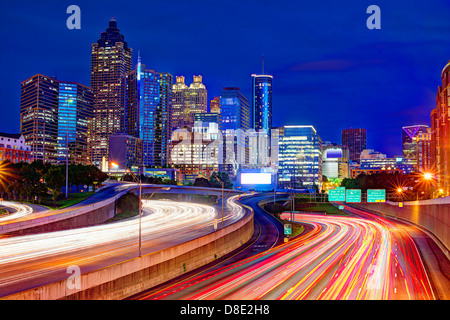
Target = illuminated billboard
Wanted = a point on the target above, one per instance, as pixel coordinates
(256, 178)
(334, 153)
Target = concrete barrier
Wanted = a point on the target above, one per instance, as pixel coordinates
(132, 276)
(92, 213)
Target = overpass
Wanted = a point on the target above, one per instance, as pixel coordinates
(96, 209)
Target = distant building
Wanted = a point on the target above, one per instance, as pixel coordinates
(399, 163)
(261, 103)
(356, 141)
(300, 158)
(13, 148)
(335, 161)
(39, 116)
(55, 119)
(187, 101)
(440, 132)
(235, 121)
(214, 105)
(75, 112)
(409, 140)
(207, 117)
(147, 102)
(196, 153)
(125, 152)
(111, 60)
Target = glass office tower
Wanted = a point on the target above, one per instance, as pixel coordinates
(356, 141)
(111, 60)
(75, 106)
(300, 158)
(261, 102)
(39, 116)
(235, 121)
(147, 112)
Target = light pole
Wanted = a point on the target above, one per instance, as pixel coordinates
(114, 164)
(140, 211)
(222, 192)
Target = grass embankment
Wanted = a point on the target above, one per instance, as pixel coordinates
(328, 208)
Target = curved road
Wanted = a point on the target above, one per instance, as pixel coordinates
(33, 260)
(335, 258)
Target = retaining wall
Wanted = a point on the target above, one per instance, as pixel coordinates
(132, 276)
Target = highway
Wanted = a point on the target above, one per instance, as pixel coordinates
(336, 257)
(19, 210)
(32, 260)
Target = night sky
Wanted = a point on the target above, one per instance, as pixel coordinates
(329, 69)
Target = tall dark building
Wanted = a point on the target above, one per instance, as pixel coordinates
(75, 106)
(356, 141)
(147, 111)
(39, 116)
(111, 60)
(261, 104)
(410, 141)
(55, 117)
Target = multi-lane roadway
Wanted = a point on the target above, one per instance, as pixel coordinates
(361, 256)
(33, 260)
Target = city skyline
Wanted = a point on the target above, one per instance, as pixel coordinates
(400, 74)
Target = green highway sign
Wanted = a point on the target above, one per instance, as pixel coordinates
(353, 195)
(287, 229)
(376, 195)
(337, 194)
(341, 207)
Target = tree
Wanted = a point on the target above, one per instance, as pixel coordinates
(224, 177)
(202, 182)
(55, 180)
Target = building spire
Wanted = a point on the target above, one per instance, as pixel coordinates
(263, 63)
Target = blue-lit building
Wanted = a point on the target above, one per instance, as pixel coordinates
(403, 164)
(75, 112)
(235, 121)
(300, 158)
(147, 112)
(261, 109)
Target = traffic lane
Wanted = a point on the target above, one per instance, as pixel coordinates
(339, 258)
(267, 234)
(42, 258)
(409, 265)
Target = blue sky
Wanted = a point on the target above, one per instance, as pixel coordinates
(329, 69)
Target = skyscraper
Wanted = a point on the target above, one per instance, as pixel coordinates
(147, 103)
(440, 131)
(55, 117)
(235, 121)
(409, 140)
(261, 110)
(75, 106)
(300, 158)
(39, 116)
(214, 105)
(356, 141)
(187, 101)
(111, 60)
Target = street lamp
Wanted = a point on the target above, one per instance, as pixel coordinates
(140, 211)
(222, 192)
(116, 165)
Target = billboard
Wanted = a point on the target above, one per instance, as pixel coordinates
(334, 153)
(256, 178)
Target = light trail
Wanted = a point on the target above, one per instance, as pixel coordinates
(164, 223)
(21, 211)
(344, 258)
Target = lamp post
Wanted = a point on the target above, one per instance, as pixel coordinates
(114, 164)
(222, 192)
